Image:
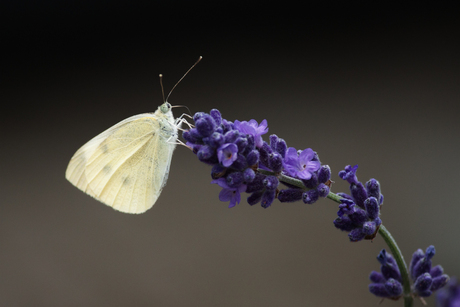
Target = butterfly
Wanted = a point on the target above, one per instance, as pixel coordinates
(127, 165)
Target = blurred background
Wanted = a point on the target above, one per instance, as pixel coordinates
(371, 84)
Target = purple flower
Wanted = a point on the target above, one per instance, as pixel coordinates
(349, 174)
(300, 166)
(427, 279)
(253, 128)
(229, 194)
(387, 282)
(361, 209)
(227, 153)
(450, 295)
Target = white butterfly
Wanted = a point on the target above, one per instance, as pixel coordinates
(127, 166)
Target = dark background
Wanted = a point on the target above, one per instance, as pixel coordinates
(369, 84)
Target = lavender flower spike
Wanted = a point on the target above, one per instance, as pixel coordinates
(240, 160)
(427, 279)
(363, 210)
(386, 283)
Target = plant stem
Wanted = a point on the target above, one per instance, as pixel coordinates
(396, 252)
(334, 197)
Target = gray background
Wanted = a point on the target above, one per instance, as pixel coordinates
(375, 85)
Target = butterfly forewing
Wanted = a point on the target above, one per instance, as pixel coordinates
(126, 166)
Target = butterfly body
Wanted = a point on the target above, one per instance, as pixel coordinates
(127, 166)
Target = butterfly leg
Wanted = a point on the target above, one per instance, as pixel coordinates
(180, 120)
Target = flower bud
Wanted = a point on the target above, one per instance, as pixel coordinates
(423, 282)
(195, 135)
(214, 140)
(344, 223)
(218, 171)
(188, 137)
(373, 188)
(257, 184)
(252, 157)
(273, 141)
(240, 163)
(281, 147)
(241, 142)
(255, 197)
(265, 152)
(358, 192)
(312, 182)
(393, 287)
(215, 114)
(372, 207)
(290, 195)
(369, 228)
(205, 125)
(324, 174)
(323, 190)
(267, 198)
(271, 183)
(439, 282)
(310, 197)
(356, 235)
(198, 115)
(358, 216)
(205, 153)
(235, 179)
(275, 162)
(231, 136)
(377, 277)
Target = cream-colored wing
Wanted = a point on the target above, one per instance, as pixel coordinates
(75, 172)
(126, 166)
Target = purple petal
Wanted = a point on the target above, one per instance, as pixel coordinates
(226, 195)
(313, 166)
(241, 189)
(263, 127)
(306, 155)
(305, 174)
(291, 153)
(222, 182)
(235, 199)
(253, 123)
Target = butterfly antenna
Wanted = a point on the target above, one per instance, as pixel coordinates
(199, 59)
(162, 90)
(181, 106)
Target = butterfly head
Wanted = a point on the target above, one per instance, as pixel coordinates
(165, 107)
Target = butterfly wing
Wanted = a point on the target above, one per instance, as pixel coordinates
(75, 172)
(126, 166)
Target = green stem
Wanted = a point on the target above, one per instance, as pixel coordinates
(334, 197)
(386, 235)
(396, 252)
